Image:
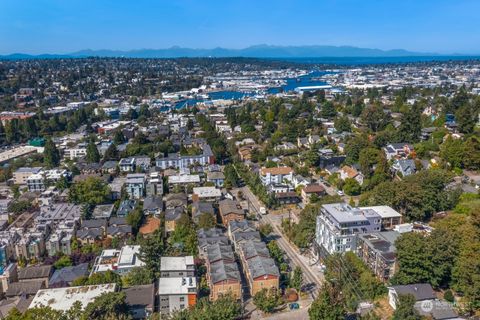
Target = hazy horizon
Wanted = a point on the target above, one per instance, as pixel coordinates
(60, 27)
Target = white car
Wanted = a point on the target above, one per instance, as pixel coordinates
(340, 193)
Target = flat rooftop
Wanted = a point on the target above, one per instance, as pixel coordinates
(175, 263)
(180, 285)
(64, 298)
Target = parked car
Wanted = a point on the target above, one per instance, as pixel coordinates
(340, 193)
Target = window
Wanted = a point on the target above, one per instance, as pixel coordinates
(180, 273)
(182, 306)
(182, 299)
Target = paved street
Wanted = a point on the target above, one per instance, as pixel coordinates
(311, 275)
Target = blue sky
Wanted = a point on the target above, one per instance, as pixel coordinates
(62, 26)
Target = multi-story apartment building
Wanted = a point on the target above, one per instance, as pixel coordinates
(154, 185)
(377, 251)
(135, 185)
(176, 294)
(338, 225)
(177, 161)
(79, 151)
(21, 175)
(171, 267)
(276, 175)
(38, 182)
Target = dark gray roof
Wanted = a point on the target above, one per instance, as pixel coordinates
(91, 233)
(222, 270)
(119, 230)
(109, 165)
(421, 291)
(241, 226)
(204, 242)
(153, 203)
(94, 223)
(173, 214)
(117, 221)
(441, 310)
(27, 288)
(126, 206)
(216, 252)
(207, 233)
(34, 272)
(67, 275)
(240, 237)
(227, 206)
(251, 249)
(141, 296)
(260, 266)
(202, 207)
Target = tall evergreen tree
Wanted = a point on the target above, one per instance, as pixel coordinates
(51, 155)
(411, 125)
(92, 153)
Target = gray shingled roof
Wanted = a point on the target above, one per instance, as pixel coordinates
(239, 237)
(216, 252)
(28, 288)
(222, 270)
(153, 203)
(227, 206)
(241, 226)
(251, 249)
(421, 291)
(68, 274)
(34, 272)
(173, 214)
(260, 266)
(207, 233)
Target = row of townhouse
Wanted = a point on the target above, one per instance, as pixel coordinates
(223, 275)
(260, 269)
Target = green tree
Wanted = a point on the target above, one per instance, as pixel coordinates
(51, 155)
(328, 304)
(414, 265)
(405, 308)
(135, 218)
(297, 278)
(471, 160)
(267, 300)
(151, 251)
(466, 118)
(206, 221)
(63, 262)
(375, 118)
(91, 191)
(328, 110)
(352, 187)
(342, 124)
(411, 125)
(118, 137)
(224, 308)
(453, 152)
(106, 306)
(137, 276)
(93, 156)
(111, 153)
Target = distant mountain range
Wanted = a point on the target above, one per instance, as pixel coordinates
(259, 51)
